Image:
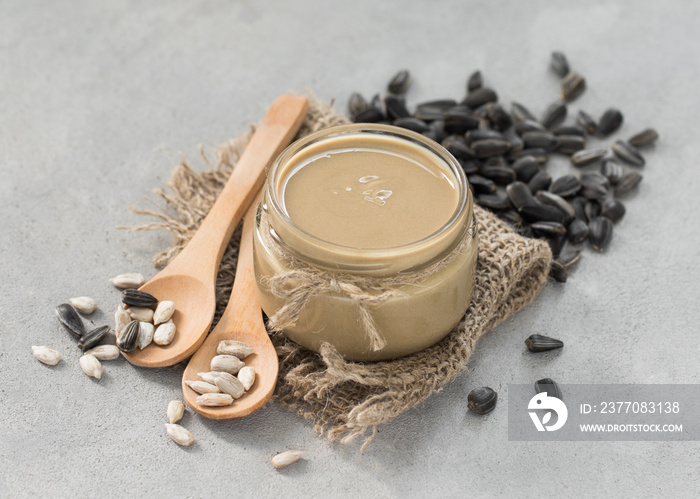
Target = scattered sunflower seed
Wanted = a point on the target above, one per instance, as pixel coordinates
(396, 107)
(609, 122)
(644, 138)
(587, 122)
(215, 399)
(92, 338)
(600, 233)
(128, 281)
(400, 82)
(576, 130)
(612, 170)
(557, 271)
(286, 458)
(628, 183)
(180, 435)
(613, 209)
(566, 185)
(482, 400)
(550, 386)
(91, 366)
(572, 86)
(587, 156)
(541, 343)
(369, 115)
(569, 258)
(356, 104)
(520, 195)
(104, 352)
(490, 147)
(496, 201)
(540, 182)
(627, 153)
(548, 228)
(84, 304)
(554, 114)
(46, 355)
(127, 340)
(233, 347)
(176, 409)
(475, 81)
(411, 123)
(569, 144)
(542, 213)
(479, 97)
(70, 319)
(481, 184)
(247, 376)
(577, 231)
(520, 113)
(559, 64)
(559, 202)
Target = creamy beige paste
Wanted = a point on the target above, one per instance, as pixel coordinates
(368, 192)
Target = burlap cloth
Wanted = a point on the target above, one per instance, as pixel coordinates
(347, 399)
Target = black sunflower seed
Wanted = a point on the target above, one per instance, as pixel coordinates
(411, 123)
(475, 81)
(516, 145)
(459, 119)
(610, 121)
(587, 156)
(600, 233)
(540, 182)
(545, 140)
(556, 244)
(483, 134)
(396, 107)
(554, 114)
(558, 202)
(496, 201)
(549, 386)
(644, 138)
(594, 190)
(470, 167)
(548, 228)
(400, 82)
(437, 130)
(590, 178)
(520, 113)
(592, 209)
(579, 206)
(587, 122)
(528, 125)
(479, 97)
(136, 298)
(566, 185)
(613, 209)
(612, 170)
(542, 213)
(627, 153)
(497, 116)
(93, 338)
(570, 257)
(569, 144)
(558, 271)
(490, 147)
(569, 130)
(538, 153)
(458, 147)
(126, 341)
(502, 175)
(541, 343)
(628, 183)
(356, 104)
(559, 64)
(69, 318)
(482, 400)
(369, 115)
(526, 168)
(577, 231)
(520, 195)
(572, 86)
(431, 112)
(482, 185)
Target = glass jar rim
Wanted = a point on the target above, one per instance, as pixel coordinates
(371, 255)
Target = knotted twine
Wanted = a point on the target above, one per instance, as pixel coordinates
(347, 399)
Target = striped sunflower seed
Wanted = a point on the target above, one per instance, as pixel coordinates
(70, 319)
(627, 153)
(84, 304)
(600, 233)
(520, 113)
(540, 182)
(613, 209)
(566, 185)
(128, 281)
(542, 343)
(612, 170)
(559, 64)
(628, 183)
(520, 195)
(577, 231)
(479, 97)
(496, 201)
(395, 107)
(644, 138)
(546, 140)
(475, 81)
(481, 184)
(549, 386)
(92, 338)
(91, 366)
(572, 86)
(569, 258)
(400, 82)
(558, 202)
(46, 355)
(176, 409)
(526, 168)
(128, 339)
(542, 213)
(587, 156)
(554, 114)
(136, 298)
(490, 147)
(569, 144)
(587, 122)
(179, 435)
(482, 400)
(356, 104)
(286, 458)
(233, 347)
(558, 271)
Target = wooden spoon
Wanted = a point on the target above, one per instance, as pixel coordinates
(242, 321)
(190, 279)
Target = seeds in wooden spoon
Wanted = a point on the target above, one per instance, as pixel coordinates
(104, 352)
(164, 311)
(247, 376)
(128, 281)
(84, 304)
(286, 458)
(176, 409)
(233, 347)
(47, 355)
(91, 366)
(210, 376)
(180, 435)
(146, 333)
(136, 298)
(226, 363)
(142, 314)
(202, 387)
(164, 333)
(121, 320)
(228, 383)
(215, 399)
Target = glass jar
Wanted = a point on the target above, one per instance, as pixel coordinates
(346, 280)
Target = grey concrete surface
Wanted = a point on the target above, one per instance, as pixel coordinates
(98, 100)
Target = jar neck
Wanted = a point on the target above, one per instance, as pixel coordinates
(374, 262)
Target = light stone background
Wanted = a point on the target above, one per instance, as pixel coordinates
(98, 100)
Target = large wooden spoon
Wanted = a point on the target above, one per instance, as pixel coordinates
(190, 279)
(242, 321)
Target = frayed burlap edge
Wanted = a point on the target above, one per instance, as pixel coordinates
(347, 399)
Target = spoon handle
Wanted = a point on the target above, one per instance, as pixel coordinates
(202, 255)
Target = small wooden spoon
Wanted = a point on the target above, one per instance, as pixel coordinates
(190, 279)
(242, 321)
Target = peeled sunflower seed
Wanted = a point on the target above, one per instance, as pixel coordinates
(554, 114)
(566, 185)
(613, 209)
(121, 320)
(215, 399)
(286, 458)
(482, 400)
(91, 366)
(587, 122)
(180, 435)
(140, 314)
(104, 352)
(559, 64)
(227, 363)
(572, 86)
(557, 271)
(146, 333)
(128, 281)
(577, 231)
(247, 376)
(627, 153)
(475, 81)
(228, 383)
(541, 343)
(233, 347)
(202, 387)
(46, 355)
(92, 338)
(587, 156)
(550, 386)
(136, 298)
(176, 409)
(69, 318)
(84, 304)
(600, 233)
(210, 376)
(400, 82)
(128, 339)
(609, 122)
(627, 183)
(164, 333)
(643, 138)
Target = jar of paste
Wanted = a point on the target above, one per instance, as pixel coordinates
(365, 239)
